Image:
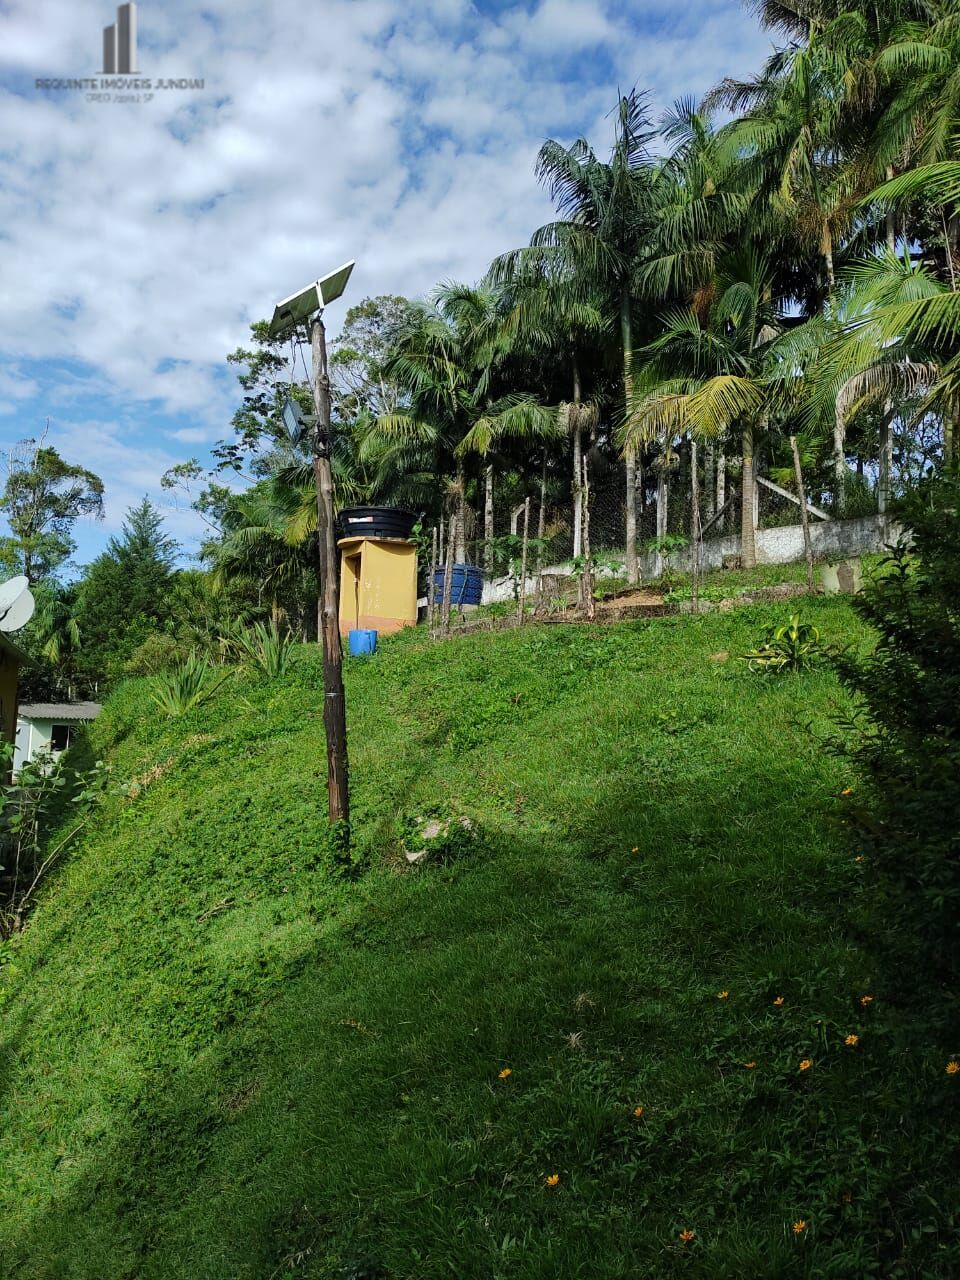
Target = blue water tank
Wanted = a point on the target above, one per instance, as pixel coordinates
(466, 584)
(362, 641)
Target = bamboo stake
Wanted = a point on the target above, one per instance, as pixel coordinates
(541, 531)
(448, 577)
(432, 590)
(523, 559)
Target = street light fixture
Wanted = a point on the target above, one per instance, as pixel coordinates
(295, 420)
(307, 306)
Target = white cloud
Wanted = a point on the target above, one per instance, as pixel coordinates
(141, 240)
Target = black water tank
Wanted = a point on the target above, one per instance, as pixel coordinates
(376, 522)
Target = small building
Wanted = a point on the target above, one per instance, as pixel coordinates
(378, 584)
(47, 727)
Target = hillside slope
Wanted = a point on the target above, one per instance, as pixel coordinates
(222, 1060)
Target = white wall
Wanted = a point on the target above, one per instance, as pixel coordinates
(831, 540)
(33, 737)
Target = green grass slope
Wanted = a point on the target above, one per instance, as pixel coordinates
(221, 1060)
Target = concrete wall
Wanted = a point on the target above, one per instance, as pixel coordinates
(831, 540)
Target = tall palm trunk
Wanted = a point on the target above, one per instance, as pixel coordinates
(949, 431)
(663, 497)
(488, 523)
(709, 466)
(721, 487)
(748, 528)
(459, 538)
(804, 518)
(891, 224)
(827, 250)
(542, 516)
(630, 455)
(577, 463)
(839, 460)
(886, 460)
(694, 528)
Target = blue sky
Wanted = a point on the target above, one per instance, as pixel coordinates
(139, 241)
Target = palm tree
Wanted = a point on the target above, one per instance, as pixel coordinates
(447, 363)
(262, 553)
(898, 335)
(711, 370)
(608, 212)
(550, 315)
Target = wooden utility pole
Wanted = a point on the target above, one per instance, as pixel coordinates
(334, 702)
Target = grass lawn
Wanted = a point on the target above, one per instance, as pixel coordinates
(223, 1061)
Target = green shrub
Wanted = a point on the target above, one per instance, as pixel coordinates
(907, 744)
(159, 652)
(189, 686)
(792, 646)
(264, 647)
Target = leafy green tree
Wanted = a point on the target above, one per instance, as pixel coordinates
(43, 497)
(125, 593)
(608, 214)
(447, 364)
(712, 370)
(359, 382)
(907, 820)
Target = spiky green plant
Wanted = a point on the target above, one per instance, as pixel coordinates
(265, 647)
(188, 686)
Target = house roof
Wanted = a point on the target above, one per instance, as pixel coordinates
(7, 646)
(59, 710)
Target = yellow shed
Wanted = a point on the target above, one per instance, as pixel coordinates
(378, 584)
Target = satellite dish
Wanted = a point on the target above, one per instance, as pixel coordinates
(16, 604)
(316, 296)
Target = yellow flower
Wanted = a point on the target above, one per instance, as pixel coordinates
(858, 858)
(851, 1040)
(507, 1071)
(953, 1066)
(847, 791)
(638, 1112)
(799, 1227)
(750, 1065)
(687, 1235)
(635, 849)
(779, 1001)
(552, 1179)
(723, 995)
(866, 999)
(806, 1064)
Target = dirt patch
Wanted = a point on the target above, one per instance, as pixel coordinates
(627, 599)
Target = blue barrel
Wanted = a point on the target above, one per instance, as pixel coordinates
(466, 584)
(361, 642)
